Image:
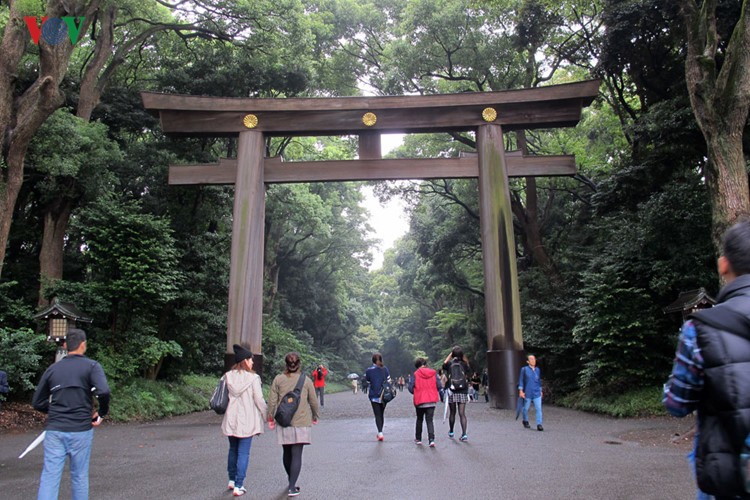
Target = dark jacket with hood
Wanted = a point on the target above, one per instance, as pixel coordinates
(724, 408)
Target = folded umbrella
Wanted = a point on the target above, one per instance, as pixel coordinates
(445, 408)
(33, 444)
(519, 406)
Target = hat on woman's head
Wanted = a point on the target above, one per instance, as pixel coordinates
(241, 354)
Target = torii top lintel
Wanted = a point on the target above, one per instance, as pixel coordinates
(540, 107)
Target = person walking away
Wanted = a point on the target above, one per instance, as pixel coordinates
(710, 373)
(375, 376)
(319, 381)
(244, 417)
(530, 389)
(293, 438)
(401, 383)
(426, 387)
(354, 386)
(475, 381)
(66, 394)
(456, 367)
(4, 388)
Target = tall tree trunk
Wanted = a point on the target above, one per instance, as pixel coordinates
(56, 215)
(21, 117)
(56, 218)
(528, 218)
(720, 98)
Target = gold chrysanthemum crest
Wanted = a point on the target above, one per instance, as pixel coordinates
(489, 114)
(369, 119)
(250, 121)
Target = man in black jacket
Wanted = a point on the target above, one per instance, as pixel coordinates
(65, 393)
(711, 373)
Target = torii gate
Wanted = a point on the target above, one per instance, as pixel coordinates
(486, 113)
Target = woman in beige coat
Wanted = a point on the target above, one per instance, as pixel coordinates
(243, 418)
(296, 436)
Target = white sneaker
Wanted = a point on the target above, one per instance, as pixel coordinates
(238, 492)
(230, 486)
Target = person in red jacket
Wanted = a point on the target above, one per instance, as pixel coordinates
(319, 381)
(426, 387)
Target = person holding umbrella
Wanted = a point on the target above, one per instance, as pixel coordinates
(530, 389)
(355, 385)
(65, 393)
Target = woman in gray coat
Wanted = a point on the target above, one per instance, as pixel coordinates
(243, 418)
(299, 433)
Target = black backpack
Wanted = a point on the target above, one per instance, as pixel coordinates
(289, 404)
(458, 377)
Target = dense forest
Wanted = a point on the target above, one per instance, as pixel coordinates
(86, 214)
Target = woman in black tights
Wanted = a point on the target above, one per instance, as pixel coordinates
(456, 366)
(299, 433)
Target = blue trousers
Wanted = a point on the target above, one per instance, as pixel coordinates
(238, 458)
(58, 446)
(537, 409)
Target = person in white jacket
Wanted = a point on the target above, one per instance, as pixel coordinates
(243, 418)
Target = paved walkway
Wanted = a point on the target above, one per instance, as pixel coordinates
(578, 456)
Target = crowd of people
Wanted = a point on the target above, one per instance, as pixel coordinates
(708, 375)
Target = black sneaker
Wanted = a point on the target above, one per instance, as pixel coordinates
(526, 424)
(539, 428)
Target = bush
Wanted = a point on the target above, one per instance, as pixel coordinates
(142, 399)
(642, 402)
(21, 356)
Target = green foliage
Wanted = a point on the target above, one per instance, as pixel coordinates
(22, 355)
(639, 402)
(141, 399)
(73, 156)
(14, 312)
(639, 266)
(277, 342)
(30, 7)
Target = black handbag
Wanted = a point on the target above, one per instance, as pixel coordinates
(220, 398)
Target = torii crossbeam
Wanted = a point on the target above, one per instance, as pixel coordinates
(486, 113)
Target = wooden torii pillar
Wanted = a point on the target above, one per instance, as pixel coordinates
(488, 114)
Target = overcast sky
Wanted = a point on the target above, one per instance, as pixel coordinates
(389, 221)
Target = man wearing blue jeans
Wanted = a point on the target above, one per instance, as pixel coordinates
(65, 393)
(530, 389)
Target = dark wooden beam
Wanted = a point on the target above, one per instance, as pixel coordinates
(276, 171)
(541, 107)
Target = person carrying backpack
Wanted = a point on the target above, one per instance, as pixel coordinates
(710, 374)
(294, 437)
(456, 366)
